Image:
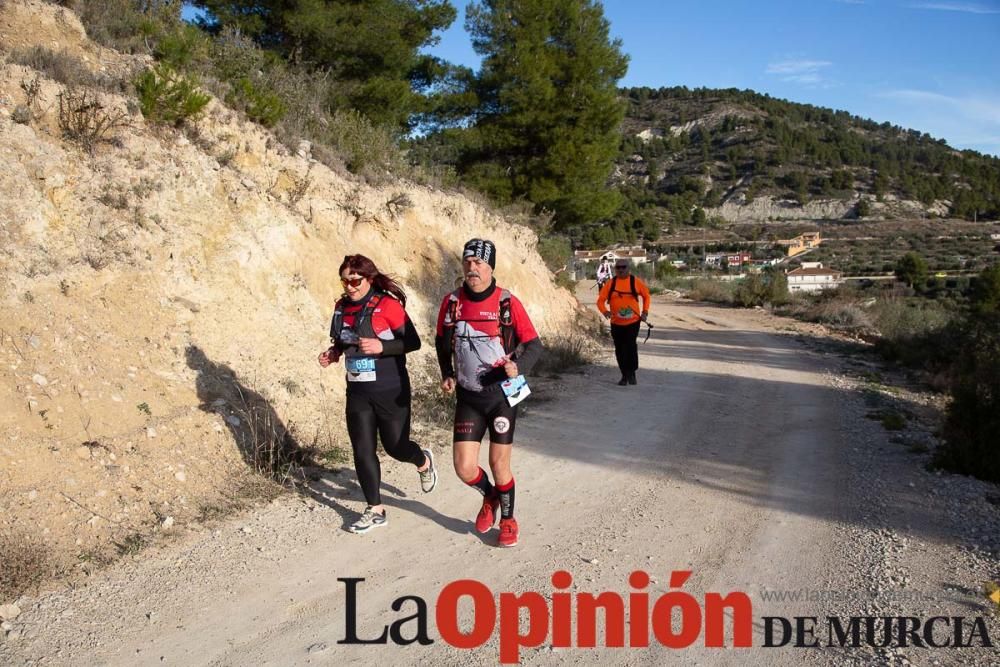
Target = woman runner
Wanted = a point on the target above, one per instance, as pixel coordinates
(372, 332)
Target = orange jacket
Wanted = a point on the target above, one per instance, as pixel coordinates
(624, 307)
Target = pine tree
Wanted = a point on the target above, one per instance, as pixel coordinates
(370, 48)
(912, 269)
(547, 127)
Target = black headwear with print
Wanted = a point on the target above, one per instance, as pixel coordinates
(483, 249)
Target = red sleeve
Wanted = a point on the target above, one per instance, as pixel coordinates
(392, 313)
(441, 313)
(523, 327)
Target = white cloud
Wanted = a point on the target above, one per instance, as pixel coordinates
(801, 72)
(797, 66)
(965, 7)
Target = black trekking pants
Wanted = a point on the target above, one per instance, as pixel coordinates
(386, 414)
(626, 338)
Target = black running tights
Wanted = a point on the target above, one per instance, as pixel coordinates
(388, 415)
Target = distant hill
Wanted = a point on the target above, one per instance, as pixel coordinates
(701, 156)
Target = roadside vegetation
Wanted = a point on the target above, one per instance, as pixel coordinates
(26, 562)
(948, 333)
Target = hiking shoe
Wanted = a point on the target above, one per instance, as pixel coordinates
(631, 378)
(429, 477)
(488, 513)
(370, 519)
(508, 532)
(623, 381)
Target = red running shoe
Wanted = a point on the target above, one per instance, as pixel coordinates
(508, 532)
(488, 513)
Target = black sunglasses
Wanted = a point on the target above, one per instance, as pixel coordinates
(621, 267)
(351, 282)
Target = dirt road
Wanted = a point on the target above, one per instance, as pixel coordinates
(742, 455)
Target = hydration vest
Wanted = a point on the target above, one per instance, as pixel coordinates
(363, 317)
(506, 319)
(631, 281)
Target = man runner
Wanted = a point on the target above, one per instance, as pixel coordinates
(622, 293)
(484, 336)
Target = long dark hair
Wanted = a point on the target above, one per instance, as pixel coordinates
(363, 266)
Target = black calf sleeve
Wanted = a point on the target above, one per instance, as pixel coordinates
(506, 499)
(482, 484)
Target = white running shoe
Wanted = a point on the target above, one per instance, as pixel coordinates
(429, 477)
(370, 519)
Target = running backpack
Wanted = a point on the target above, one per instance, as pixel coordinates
(506, 319)
(631, 284)
(337, 324)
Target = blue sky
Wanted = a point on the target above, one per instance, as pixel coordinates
(931, 65)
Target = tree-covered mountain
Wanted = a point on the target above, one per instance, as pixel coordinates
(684, 151)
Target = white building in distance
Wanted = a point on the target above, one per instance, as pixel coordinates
(635, 255)
(812, 277)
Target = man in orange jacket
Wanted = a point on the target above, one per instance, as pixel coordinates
(622, 293)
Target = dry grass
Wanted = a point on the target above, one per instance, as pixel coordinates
(244, 491)
(564, 352)
(431, 406)
(24, 563)
(712, 291)
(132, 544)
(269, 447)
(845, 314)
(82, 118)
(64, 67)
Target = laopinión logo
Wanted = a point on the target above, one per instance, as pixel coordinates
(633, 620)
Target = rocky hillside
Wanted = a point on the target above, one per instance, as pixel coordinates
(164, 294)
(742, 156)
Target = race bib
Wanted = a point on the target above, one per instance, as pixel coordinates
(515, 389)
(360, 369)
